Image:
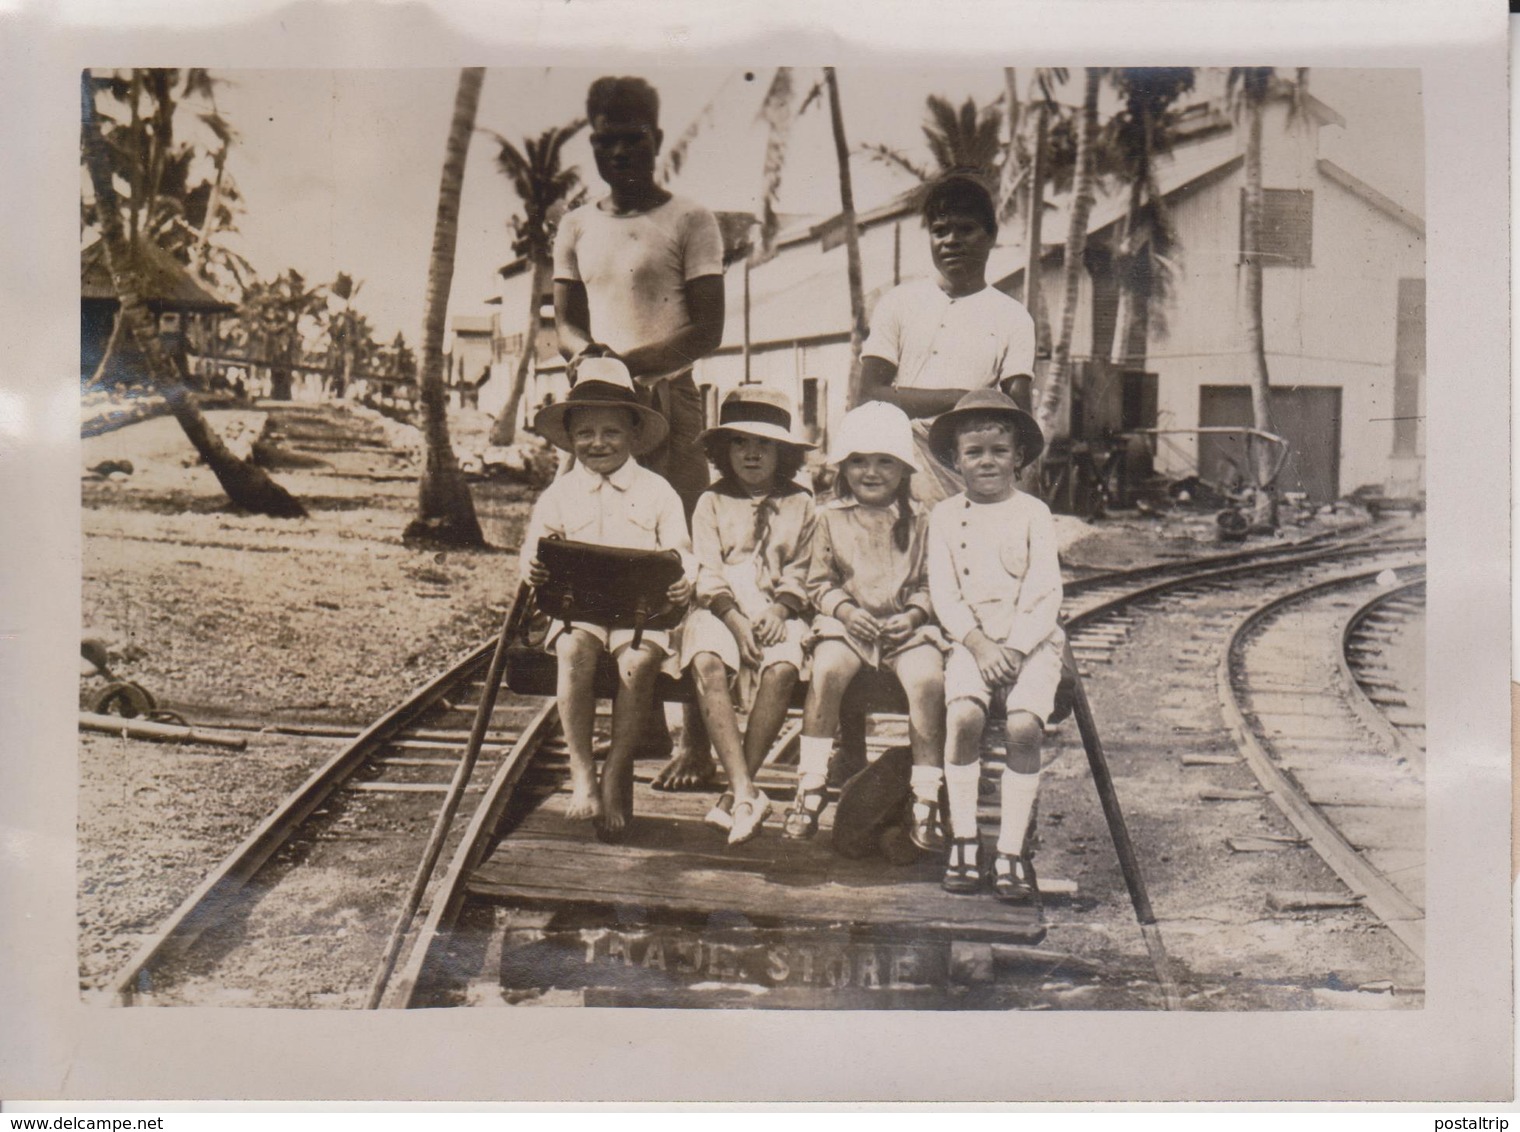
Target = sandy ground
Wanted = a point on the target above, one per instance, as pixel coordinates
(229, 616)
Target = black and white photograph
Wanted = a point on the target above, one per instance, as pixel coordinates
(777, 355)
(773, 553)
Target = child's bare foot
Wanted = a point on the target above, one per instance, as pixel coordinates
(689, 770)
(616, 809)
(585, 803)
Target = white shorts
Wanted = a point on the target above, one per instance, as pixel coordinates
(613, 640)
(1034, 691)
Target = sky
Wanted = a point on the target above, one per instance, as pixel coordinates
(339, 170)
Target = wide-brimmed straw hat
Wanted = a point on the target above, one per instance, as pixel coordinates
(875, 428)
(603, 383)
(985, 403)
(754, 410)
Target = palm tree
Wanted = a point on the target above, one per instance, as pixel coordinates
(246, 485)
(1042, 99)
(1140, 133)
(1058, 379)
(1250, 88)
(851, 239)
(780, 109)
(967, 137)
(162, 205)
(445, 511)
(546, 192)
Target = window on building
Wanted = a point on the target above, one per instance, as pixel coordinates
(709, 404)
(1287, 227)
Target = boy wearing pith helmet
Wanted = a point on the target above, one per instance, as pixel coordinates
(609, 500)
(995, 580)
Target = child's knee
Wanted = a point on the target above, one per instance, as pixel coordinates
(709, 670)
(635, 664)
(1024, 730)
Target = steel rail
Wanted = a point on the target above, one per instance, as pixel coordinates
(208, 903)
(1403, 917)
(1372, 716)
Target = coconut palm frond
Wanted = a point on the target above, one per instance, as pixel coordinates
(776, 111)
(675, 156)
(886, 155)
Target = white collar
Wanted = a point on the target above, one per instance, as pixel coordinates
(622, 479)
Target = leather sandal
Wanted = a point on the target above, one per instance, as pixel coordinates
(963, 870)
(1013, 880)
(748, 817)
(801, 822)
(928, 829)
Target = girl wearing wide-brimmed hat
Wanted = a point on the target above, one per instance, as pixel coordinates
(752, 534)
(869, 581)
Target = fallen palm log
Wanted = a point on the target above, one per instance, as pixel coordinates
(158, 732)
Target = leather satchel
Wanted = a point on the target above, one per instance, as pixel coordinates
(610, 586)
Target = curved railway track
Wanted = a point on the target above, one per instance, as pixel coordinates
(1330, 762)
(327, 869)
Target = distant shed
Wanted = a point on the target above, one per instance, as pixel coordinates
(183, 308)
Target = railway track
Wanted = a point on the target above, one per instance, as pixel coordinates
(326, 870)
(1341, 773)
(320, 874)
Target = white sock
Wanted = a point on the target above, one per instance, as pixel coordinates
(960, 783)
(813, 762)
(925, 781)
(1019, 793)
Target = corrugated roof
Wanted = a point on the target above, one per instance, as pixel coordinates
(168, 284)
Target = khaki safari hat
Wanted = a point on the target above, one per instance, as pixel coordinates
(985, 403)
(604, 383)
(754, 410)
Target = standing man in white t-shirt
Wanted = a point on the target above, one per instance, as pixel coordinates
(638, 275)
(933, 341)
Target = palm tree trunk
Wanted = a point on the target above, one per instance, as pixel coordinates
(247, 485)
(1264, 513)
(1058, 379)
(1124, 263)
(1036, 227)
(445, 511)
(851, 239)
(504, 430)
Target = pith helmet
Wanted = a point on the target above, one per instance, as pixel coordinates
(872, 428)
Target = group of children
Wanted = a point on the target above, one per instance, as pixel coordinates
(960, 605)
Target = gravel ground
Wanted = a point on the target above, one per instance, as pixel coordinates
(224, 616)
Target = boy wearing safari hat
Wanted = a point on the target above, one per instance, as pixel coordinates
(996, 585)
(610, 500)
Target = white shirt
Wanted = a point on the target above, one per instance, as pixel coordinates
(940, 342)
(632, 508)
(635, 267)
(994, 567)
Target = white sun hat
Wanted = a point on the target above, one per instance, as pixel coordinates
(872, 428)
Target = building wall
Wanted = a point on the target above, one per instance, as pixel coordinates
(1330, 324)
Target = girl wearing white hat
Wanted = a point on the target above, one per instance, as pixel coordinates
(869, 581)
(752, 533)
